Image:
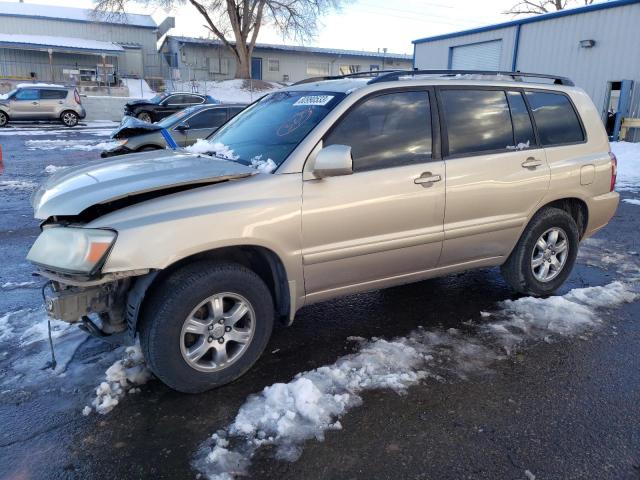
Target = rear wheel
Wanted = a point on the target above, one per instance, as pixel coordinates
(145, 117)
(69, 118)
(4, 119)
(206, 325)
(545, 254)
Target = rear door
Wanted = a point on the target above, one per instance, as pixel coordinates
(52, 102)
(204, 123)
(25, 104)
(497, 173)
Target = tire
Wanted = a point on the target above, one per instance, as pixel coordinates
(519, 270)
(4, 119)
(69, 118)
(144, 116)
(164, 319)
(147, 148)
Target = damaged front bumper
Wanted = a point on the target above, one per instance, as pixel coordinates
(106, 307)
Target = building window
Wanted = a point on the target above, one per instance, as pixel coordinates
(317, 69)
(347, 69)
(274, 65)
(218, 65)
(374, 68)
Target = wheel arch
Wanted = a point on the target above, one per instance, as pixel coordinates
(575, 207)
(263, 261)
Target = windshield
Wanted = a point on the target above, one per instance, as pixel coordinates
(173, 119)
(270, 129)
(9, 94)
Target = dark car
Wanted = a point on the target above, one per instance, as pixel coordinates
(165, 104)
(185, 127)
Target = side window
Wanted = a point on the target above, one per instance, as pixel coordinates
(555, 118)
(233, 111)
(522, 128)
(53, 94)
(476, 120)
(174, 100)
(192, 99)
(27, 94)
(386, 131)
(210, 118)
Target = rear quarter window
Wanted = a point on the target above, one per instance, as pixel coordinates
(556, 119)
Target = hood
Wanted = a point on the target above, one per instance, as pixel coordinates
(142, 101)
(131, 126)
(72, 190)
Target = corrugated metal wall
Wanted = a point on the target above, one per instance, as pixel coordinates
(553, 46)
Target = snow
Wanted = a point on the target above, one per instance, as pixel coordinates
(218, 149)
(85, 145)
(632, 201)
(66, 42)
(529, 475)
(230, 91)
(121, 377)
(628, 155)
(24, 185)
(39, 84)
(285, 415)
(54, 168)
(16, 285)
(138, 88)
(263, 166)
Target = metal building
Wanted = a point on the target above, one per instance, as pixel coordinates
(202, 59)
(59, 44)
(596, 46)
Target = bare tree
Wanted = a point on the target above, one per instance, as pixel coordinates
(527, 7)
(236, 23)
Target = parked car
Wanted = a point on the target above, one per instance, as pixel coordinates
(164, 104)
(42, 102)
(198, 258)
(184, 127)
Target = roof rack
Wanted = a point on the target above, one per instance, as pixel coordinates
(397, 74)
(373, 73)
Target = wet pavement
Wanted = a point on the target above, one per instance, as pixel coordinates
(561, 410)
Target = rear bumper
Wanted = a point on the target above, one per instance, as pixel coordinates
(82, 113)
(601, 209)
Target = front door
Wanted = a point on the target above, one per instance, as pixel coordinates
(204, 123)
(497, 172)
(25, 104)
(256, 68)
(383, 223)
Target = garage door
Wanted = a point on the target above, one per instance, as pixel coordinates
(478, 56)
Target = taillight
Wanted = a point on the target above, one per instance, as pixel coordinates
(76, 95)
(614, 171)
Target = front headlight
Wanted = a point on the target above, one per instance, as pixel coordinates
(68, 249)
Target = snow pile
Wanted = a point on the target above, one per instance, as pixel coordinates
(16, 285)
(219, 150)
(230, 91)
(121, 377)
(628, 155)
(85, 145)
(263, 166)
(285, 415)
(53, 168)
(632, 201)
(23, 185)
(138, 88)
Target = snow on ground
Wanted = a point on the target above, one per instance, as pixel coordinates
(17, 285)
(138, 88)
(632, 201)
(54, 168)
(628, 155)
(85, 145)
(230, 91)
(21, 185)
(285, 415)
(123, 377)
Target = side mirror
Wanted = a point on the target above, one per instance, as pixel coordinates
(333, 161)
(182, 127)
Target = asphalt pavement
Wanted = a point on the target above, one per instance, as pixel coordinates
(568, 409)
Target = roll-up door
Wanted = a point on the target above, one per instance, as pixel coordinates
(478, 56)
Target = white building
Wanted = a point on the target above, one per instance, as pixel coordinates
(202, 59)
(596, 46)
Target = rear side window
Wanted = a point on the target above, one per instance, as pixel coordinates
(53, 94)
(386, 131)
(27, 94)
(476, 120)
(555, 118)
(210, 118)
(192, 99)
(522, 128)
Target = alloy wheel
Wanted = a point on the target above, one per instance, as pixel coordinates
(550, 254)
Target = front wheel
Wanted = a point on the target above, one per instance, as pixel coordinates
(145, 117)
(545, 254)
(70, 119)
(4, 119)
(206, 325)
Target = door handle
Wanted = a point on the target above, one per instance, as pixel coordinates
(531, 163)
(426, 179)
(34, 103)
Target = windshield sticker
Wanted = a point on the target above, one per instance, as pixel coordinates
(295, 122)
(319, 100)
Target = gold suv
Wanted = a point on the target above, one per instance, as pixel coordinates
(322, 189)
